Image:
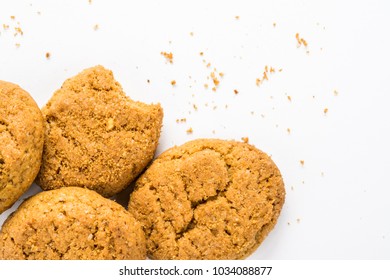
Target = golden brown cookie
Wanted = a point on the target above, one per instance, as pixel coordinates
(208, 199)
(21, 142)
(71, 223)
(96, 137)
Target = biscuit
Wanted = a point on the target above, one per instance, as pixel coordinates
(208, 199)
(21, 142)
(96, 137)
(74, 224)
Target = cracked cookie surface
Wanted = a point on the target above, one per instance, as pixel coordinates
(21, 142)
(208, 199)
(96, 136)
(71, 223)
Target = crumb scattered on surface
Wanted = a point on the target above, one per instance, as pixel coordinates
(289, 98)
(190, 130)
(268, 70)
(148, 81)
(168, 56)
(274, 24)
(182, 120)
(335, 93)
(191, 33)
(245, 139)
(47, 55)
(302, 162)
(173, 82)
(96, 27)
(288, 130)
(300, 40)
(235, 91)
(325, 110)
(237, 17)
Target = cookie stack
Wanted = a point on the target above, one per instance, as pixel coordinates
(206, 199)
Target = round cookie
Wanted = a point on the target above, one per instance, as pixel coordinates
(208, 199)
(71, 223)
(97, 137)
(21, 142)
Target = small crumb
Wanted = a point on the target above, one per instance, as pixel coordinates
(208, 65)
(300, 40)
(258, 82)
(214, 78)
(168, 56)
(190, 130)
(335, 93)
(302, 162)
(237, 17)
(12, 17)
(325, 110)
(96, 27)
(288, 130)
(18, 31)
(148, 81)
(191, 33)
(201, 53)
(90, 1)
(173, 82)
(195, 107)
(289, 98)
(214, 89)
(274, 24)
(245, 139)
(5, 26)
(235, 91)
(221, 74)
(182, 120)
(47, 55)
(206, 86)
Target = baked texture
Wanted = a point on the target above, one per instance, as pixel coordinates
(71, 224)
(96, 136)
(208, 199)
(21, 142)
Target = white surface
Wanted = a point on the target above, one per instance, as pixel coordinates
(337, 204)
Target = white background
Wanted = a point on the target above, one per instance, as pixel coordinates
(337, 203)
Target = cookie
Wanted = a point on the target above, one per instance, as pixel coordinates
(21, 142)
(96, 136)
(208, 199)
(74, 224)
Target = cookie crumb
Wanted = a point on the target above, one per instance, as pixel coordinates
(289, 98)
(190, 130)
(195, 107)
(168, 56)
(235, 91)
(182, 120)
(300, 40)
(191, 33)
(274, 24)
(148, 81)
(206, 86)
(96, 27)
(12, 17)
(288, 130)
(302, 162)
(173, 82)
(325, 110)
(201, 53)
(237, 17)
(47, 55)
(335, 93)
(245, 139)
